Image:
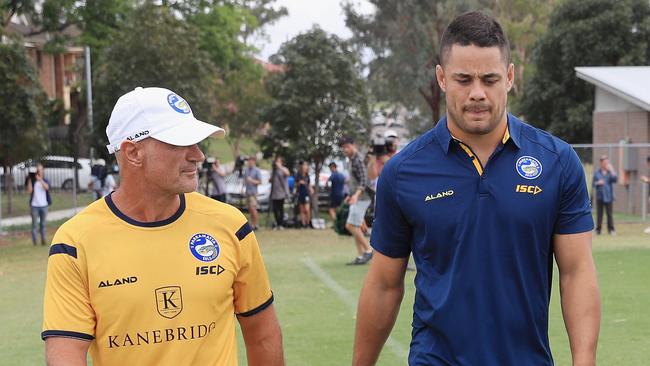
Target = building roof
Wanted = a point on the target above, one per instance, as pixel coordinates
(629, 83)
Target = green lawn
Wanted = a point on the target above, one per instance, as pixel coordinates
(60, 200)
(316, 295)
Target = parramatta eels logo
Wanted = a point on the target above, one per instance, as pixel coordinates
(528, 167)
(204, 247)
(178, 104)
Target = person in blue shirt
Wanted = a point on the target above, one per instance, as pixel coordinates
(337, 183)
(602, 183)
(38, 188)
(484, 202)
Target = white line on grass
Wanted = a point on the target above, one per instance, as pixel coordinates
(396, 347)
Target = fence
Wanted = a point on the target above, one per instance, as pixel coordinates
(630, 163)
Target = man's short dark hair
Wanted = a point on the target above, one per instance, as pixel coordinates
(474, 28)
(332, 164)
(346, 140)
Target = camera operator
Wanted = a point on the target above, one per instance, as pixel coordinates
(218, 177)
(382, 150)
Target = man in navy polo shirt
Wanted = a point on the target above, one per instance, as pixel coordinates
(484, 202)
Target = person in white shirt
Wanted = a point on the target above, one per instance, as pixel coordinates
(39, 190)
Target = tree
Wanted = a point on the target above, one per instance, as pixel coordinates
(404, 39)
(22, 102)
(582, 33)
(523, 21)
(154, 48)
(317, 99)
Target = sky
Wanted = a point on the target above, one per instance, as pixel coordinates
(303, 14)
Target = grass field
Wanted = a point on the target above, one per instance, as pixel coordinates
(60, 200)
(316, 297)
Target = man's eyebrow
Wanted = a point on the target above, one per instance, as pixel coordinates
(491, 75)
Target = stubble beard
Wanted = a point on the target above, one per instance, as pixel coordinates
(476, 127)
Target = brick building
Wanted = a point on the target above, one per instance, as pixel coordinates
(59, 72)
(621, 116)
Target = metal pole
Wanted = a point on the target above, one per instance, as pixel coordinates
(89, 98)
(644, 201)
(2, 178)
(89, 103)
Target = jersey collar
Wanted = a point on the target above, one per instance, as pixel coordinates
(116, 211)
(513, 133)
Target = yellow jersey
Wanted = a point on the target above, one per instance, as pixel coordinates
(155, 293)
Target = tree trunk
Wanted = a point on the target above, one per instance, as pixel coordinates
(234, 147)
(433, 99)
(9, 186)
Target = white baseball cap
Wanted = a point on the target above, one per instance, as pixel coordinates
(159, 113)
(390, 134)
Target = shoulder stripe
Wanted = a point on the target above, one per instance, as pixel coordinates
(259, 308)
(63, 249)
(66, 334)
(243, 231)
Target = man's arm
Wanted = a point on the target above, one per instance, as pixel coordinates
(62, 351)
(379, 303)
(580, 295)
(263, 338)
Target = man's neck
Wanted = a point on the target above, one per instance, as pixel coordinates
(482, 145)
(145, 205)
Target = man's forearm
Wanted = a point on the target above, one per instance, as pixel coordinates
(266, 351)
(378, 309)
(581, 310)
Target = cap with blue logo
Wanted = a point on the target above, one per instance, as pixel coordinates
(159, 113)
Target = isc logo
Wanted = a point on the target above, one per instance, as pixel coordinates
(209, 270)
(522, 188)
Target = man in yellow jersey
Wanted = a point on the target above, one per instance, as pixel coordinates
(155, 273)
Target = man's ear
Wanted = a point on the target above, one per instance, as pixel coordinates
(133, 153)
(510, 79)
(440, 77)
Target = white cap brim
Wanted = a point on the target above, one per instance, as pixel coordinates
(188, 133)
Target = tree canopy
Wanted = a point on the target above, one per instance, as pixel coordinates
(154, 48)
(318, 98)
(582, 33)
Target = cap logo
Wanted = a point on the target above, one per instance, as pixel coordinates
(178, 104)
(528, 167)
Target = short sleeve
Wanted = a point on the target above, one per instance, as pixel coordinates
(574, 215)
(391, 232)
(252, 290)
(67, 311)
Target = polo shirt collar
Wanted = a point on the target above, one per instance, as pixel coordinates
(513, 132)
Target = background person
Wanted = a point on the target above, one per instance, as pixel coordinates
(279, 190)
(38, 188)
(646, 179)
(359, 200)
(378, 160)
(337, 184)
(156, 273)
(484, 202)
(98, 178)
(218, 177)
(252, 178)
(602, 183)
(303, 193)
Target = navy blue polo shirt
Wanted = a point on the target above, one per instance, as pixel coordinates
(481, 237)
